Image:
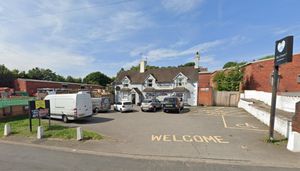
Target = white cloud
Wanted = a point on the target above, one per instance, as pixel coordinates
(292, 30)
(141, 50)
(204, 48)
(60, 35)
(181, 6)
(118, 25)
(16, 57)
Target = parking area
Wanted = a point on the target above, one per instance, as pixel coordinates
(223, 133)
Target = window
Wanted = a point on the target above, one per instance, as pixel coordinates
(179, 82)
(149, 83)
(298, 79)
(126, 83)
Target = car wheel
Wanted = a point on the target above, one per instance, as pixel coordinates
(142, 110)
(154, 109)
(65, 119)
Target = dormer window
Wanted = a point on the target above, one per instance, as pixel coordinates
(180, 80)
(125, 82)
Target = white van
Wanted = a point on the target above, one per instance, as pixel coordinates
(101, 104)
(70, 106)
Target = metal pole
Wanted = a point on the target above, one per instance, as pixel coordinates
(273, 104)
(30, 122)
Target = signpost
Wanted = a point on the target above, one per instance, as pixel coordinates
(283, 54)
(38, 109)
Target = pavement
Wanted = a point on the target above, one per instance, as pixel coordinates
(26, 158)
(222, 135)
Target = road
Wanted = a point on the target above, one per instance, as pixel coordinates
(26, 158)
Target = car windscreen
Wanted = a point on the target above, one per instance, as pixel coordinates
(147, 101)
(105, 101)
(127, 103)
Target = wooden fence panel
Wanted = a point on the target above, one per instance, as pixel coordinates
(226, 98)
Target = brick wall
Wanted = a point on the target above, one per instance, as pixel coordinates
(257, 76)
(205, 89)
(31, 86)
(12, 111)
(296, 119)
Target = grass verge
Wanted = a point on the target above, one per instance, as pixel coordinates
(20, 126)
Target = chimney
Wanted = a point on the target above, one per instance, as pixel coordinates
(197, 58)
(143, 66)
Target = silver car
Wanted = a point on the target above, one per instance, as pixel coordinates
(151, 105)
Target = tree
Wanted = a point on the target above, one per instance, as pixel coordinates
(97, 78)
(60, 78)
(187, 64)
(70, 79)
(44, 74)
(228, 80)
(6, 77)
(267, 57)
(233, 64)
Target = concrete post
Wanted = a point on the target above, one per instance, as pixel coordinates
(294, 136)
(79, 133)
(40, 132)
(7, 129)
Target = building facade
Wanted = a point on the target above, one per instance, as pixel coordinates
(205, 89)
(31, 86)
(159, 83)
(258, 76)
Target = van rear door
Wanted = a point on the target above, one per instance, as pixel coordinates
(84, 105)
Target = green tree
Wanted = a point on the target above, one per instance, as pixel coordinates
(97, 78)
(233, 64)
(6, 77)
(60, 78)
(43, 74)
(228, 80)
(267, 57)
(70, 79)
(187, 64)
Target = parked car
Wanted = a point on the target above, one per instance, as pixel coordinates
(173, 104)
(70, 106)
(123, 106)
(101, 104)
(150, 105)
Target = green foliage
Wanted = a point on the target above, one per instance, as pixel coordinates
(42, 74)
(267, 57)
(228, 80)
(187, 64)
(97, 78)
(6, 76)
(137, 68)
(20, 126)
(233, 64)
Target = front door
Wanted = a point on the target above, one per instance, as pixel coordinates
(133, 98)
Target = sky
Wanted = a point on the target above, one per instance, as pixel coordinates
(73, 37)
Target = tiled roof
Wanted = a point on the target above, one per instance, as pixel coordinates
(162, 75)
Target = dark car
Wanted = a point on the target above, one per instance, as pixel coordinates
(150, 105)
(172, 104)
